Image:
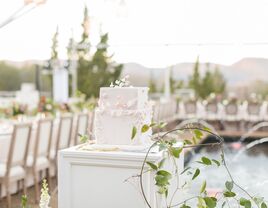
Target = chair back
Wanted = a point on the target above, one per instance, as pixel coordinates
(43, 138)
(64, 132)
(81, 126)
(254, 108)
(19, 145)
(212, 107)
(190, 107)
(231, 109)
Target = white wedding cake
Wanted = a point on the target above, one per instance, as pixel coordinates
(120, 108)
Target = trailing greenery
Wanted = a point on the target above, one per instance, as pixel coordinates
(171, 152)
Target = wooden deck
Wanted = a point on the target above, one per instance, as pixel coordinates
(253, 135)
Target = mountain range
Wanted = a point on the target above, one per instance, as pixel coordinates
(240, 73)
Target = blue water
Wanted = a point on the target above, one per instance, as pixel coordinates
(250, 170)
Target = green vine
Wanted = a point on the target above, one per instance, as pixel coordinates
(173, 152)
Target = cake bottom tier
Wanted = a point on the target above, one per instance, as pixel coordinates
(114, 127)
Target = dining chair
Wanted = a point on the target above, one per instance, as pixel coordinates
(14, 168)
(190, 108)
(82, 126)
(63, 139)
(38, 161)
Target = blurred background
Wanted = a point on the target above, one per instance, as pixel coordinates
(202, 60)
(228, 39)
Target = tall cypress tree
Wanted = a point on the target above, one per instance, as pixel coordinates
(54, 50)
(98, 70)
(54, 59)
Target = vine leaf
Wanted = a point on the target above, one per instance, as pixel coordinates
(134, 132)
(162, 177)
(194, 140)
(145, 128)
(188, 168)
(229, 185)
(203, 187)
(245, 203)
(229, 194)
(197, 172)
(161, 163)
(258, 200)
(185, 206)
(198, 134)
(211, 202)
(83, 138)
(153, 166)
(161, 125)
(152, 124)
(176, 151)
(187, 141)
(207, 129)
(206, 161)
(216, 162)
(263, 205)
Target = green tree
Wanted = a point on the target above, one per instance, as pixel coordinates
(152, 86)
(96, 71)
(207, 85)
(47, 79)
(219, 81)
(54, 50)
(195, 79)
(211, 82)
(173, 82)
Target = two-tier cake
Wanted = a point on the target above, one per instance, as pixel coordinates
(120, 109)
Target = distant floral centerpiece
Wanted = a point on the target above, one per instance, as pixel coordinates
(15, 110)
(46, 106)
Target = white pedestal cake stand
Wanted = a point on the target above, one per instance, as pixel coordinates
(95, 179)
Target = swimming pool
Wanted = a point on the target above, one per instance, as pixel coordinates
(249, 168)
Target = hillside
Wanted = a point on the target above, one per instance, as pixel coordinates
(240, 73)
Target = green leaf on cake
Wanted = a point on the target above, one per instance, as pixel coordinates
(134, 132)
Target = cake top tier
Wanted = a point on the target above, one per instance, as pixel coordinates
(126, 98)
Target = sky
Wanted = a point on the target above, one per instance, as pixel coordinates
(154, 33)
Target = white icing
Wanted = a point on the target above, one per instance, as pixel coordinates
(124, 98)
(120, 109)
